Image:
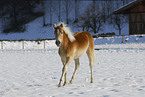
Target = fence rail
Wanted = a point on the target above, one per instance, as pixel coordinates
(44, 44)
(50, 44)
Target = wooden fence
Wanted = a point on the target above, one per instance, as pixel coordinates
(45, 44)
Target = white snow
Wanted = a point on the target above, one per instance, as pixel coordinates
(118, 72)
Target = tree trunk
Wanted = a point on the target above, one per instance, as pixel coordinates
(83, 28)
(119, 28)
(15, 16)
(59, 10)
(99, 26)
(119, 31)
(94, 25)
(76, 9)
(66, 8)
(44, 24)
(50, 10)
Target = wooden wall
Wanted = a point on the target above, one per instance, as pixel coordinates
(137, 20)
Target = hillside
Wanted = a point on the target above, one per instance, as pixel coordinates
(36, 30)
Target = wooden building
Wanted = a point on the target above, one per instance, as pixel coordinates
(136, 12)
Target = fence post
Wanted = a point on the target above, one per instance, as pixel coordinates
(44, 44)
(2, 45)
(23, 44)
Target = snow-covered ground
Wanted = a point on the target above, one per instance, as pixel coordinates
(118, 72)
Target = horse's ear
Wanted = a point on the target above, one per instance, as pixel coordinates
(61, 25)
(54, 26)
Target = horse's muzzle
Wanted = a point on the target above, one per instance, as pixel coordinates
(57, 42)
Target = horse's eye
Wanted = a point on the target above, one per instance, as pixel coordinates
(54, 32)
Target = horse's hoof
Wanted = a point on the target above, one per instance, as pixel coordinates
(91, 82)
(65, 83)
(59, 85)
(70, 82)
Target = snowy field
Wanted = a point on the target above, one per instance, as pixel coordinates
(118, 72)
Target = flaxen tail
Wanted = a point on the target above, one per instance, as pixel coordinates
(91, 51)
(94, 56)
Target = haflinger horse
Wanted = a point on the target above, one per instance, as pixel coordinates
(71, 47)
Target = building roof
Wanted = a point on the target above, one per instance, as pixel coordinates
(124, 9)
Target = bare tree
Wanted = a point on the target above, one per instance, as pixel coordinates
(18, 13)
(57, 8)
(3, 3)
(83, 22)
(118, 20)
(50, 11)
(68, 6)
(78, 3)
(43, 10)
(92, 19)
(76, 12)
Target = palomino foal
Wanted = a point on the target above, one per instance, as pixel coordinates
(72, 47)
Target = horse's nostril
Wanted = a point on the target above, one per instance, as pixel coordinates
(57, 43)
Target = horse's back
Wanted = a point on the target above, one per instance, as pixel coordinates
(81, 32)
(84, 37)
(84, 40)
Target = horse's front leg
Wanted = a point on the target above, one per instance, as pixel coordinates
(66, 80)
(64, 70)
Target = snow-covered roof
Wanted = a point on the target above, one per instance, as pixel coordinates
(124, 9)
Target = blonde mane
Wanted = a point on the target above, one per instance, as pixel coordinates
(67, 31)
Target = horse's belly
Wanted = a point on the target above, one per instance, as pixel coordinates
(81, 50)
(79, 54)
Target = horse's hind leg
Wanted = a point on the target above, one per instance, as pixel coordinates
(77, 63)
(66, 81)
(91, 58)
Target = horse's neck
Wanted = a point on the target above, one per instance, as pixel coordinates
(65, 40)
